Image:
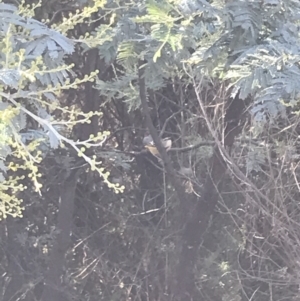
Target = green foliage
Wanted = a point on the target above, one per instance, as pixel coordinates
(32, 78)
(251, 47)
(236, 42)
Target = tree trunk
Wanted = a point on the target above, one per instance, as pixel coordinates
(15, 287)
(185, 289)
(53, 290)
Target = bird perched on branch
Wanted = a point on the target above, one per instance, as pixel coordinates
(149, 144)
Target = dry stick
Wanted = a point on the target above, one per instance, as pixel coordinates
(183, 285)
(197, 224)
(231, 165)
(166, 122)
(235, 170)
(156, 139)
(152, 130)
(173, 149)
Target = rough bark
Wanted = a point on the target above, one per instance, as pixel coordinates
(15, 286)
(53, 289)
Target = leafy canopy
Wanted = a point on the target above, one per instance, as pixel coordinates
(33, 76)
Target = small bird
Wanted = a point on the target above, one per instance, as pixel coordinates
(149, 144)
